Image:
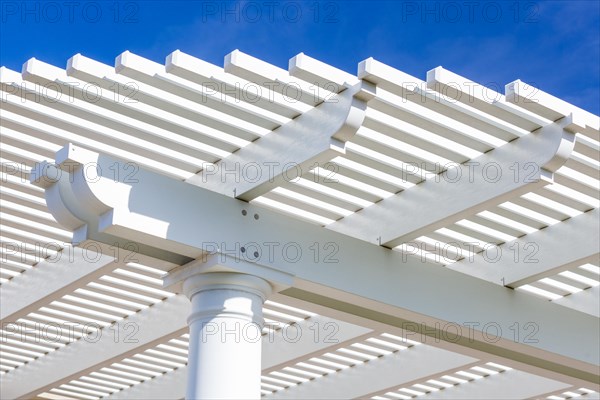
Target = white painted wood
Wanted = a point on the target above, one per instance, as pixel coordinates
(417, 292)
(225, 335)
(548, 106)
(278, 351)
(361, 380)
(319, 73)
(291, 89)
(190, 115)
(587, 301)
(351, 316)
(538, 255)
(162, 322)
(151, 326)
(62, 273)
(464, 189)
(53, 278)
(512, 384)
(486, 98)
(304, 143)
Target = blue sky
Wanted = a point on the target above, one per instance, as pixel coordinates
(554, 45)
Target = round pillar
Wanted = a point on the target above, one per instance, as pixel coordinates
(224, 360)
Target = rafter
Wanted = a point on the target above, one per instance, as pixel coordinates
(512, 384)
(61, 274)
(464, 189)
(586, 301)
(358, 381)
(312, 139)
(538, 255)
(159, 323)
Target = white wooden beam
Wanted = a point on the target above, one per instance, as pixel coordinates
(458, 89)
(394, 370)
(586, 301)
(52, 279)
(155, 324)
(295, 93)
(61, 274)
(169, 386)
(541, 103)
(310, 140)
(422, 337)
(77, 217)
(156, 78)
(464, 189)
(483, 117)
(136, 124)
(319, 73)
(374, 282)
(77, 120)
(547, 252)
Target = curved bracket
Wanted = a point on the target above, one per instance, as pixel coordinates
(563, 137)
(51, 178)
(77, 190)
(291, 150)
(448, 200)
(82, 194)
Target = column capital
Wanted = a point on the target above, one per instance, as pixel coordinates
(226, 281)
(218, 263)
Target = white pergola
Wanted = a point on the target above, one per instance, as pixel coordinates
(372, 236)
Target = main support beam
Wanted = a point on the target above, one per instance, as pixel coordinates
(431, 340)
(465, 189)
(357, 277)
(428, 363)
(315, 137)
(541, 254)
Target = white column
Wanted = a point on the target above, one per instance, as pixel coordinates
(224, 360)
